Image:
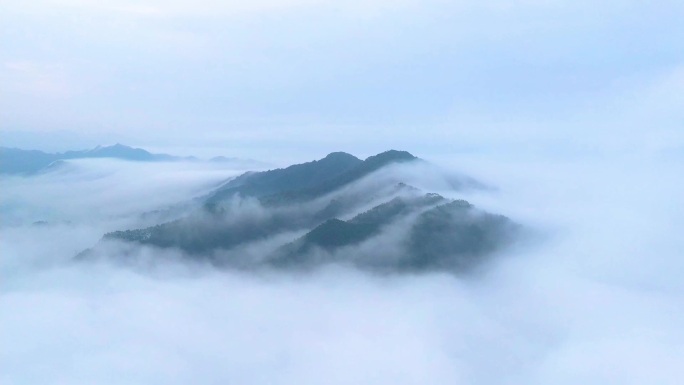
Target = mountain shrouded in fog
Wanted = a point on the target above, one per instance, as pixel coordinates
(17, 161)
(175, 258)
(336, 210)
(27, 162)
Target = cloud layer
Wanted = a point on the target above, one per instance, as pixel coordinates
(598, 301)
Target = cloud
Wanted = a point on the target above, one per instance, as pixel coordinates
(103, 189)
(566, 107)
(599, 301)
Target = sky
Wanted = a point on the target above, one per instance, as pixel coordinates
(280, 79)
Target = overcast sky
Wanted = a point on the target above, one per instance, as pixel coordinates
(312, 76)
(573, 110)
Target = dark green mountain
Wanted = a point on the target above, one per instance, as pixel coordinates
(335, 233)
(354, 174)
(445, 235)
(307, 181)
(294, 178)
(456, 236)
(216, 228)
(296, 217)
(200, 234)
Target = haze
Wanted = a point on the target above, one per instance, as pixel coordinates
(570, 111)
(310, 77)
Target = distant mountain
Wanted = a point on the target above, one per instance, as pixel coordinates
(323, 212)
(120, 151)
(17, 161)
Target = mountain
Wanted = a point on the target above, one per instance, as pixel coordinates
(119, 151)
(368, 166)
(445, 235)
(17, 161)
(335, 233)
(323, 212)
(307, 181)
(280, 181)
(456, 236)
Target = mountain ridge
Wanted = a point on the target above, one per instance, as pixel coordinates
(305, 228)
(27, 162)
(340, 169)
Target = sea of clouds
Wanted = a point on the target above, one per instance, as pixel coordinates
(597, 299)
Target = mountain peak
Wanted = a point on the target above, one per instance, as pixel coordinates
(384, 158)
(106, 148)
(101, 147)
(391, 156)
(306, 181)
(339, 155)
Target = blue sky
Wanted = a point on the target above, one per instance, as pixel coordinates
(311, 76)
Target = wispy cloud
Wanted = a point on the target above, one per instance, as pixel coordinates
(600, 301)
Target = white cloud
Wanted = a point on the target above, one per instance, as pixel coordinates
(599, 301)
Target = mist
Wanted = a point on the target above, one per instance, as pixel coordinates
(595, 299)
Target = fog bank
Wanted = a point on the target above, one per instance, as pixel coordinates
(597, 301)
